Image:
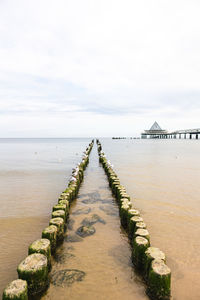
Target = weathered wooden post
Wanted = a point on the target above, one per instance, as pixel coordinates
(34, 269)
(159, 280)
(16, 290)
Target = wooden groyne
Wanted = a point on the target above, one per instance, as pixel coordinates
(149, 261)
(33, 271)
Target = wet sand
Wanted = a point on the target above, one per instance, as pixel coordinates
(21, 232)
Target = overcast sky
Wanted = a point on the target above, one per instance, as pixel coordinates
(98, 68)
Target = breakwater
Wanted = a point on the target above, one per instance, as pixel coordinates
(34, 269)
(94, 261)
(149, 261)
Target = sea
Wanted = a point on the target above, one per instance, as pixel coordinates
(162, 178)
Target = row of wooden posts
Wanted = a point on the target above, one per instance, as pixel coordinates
(33, 271)
(149, 261)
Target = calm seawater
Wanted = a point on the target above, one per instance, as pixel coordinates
(161, 176)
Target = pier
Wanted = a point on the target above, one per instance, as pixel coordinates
(155, 132)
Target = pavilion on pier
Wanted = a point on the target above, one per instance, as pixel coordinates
(154, 132)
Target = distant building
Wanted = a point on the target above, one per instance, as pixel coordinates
(154, 132)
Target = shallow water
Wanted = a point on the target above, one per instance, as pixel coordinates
(102, 258)
(162, 178)
(33, 173)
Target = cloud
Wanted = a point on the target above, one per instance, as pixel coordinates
(133, 61)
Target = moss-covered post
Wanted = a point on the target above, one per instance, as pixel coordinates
(59, 214)
(111, 179)
(115, 183)
(42, 246)
(131, 225)
(50, 233)
(59, 223)
(34, 270)
(150, 254)
(64, 201)
(61, 206)
(124, 195)
(119, 188)
(16, 290)
(142, 232)
(131, 213)
(159, 280)
(123, 201)
(66, 204)
(124, 214)
(140, 245)
(65, 196)
(140, 225)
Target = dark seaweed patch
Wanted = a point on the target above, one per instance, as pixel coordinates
(92, 220)
(73, 238)
(63, 257)
(67, 277)
(82, 211)
(93, 195)
(70, 224)
(90, 201)
(109, 201)
(109, 210)
(84, 231)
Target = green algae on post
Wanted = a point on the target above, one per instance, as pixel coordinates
(65, 202)
(142, 232)
(140, 245)
(123, 201)
(59, 223)
(125, 195)
(150, 254)
(124, 214)
(61, 206)
(42, 246)
(159, 280)
(50, 233)
(67, 195)
(140, 225)
(16, 290)
(131, 225)
(59, 214)
(131, 213)
(34, 270)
